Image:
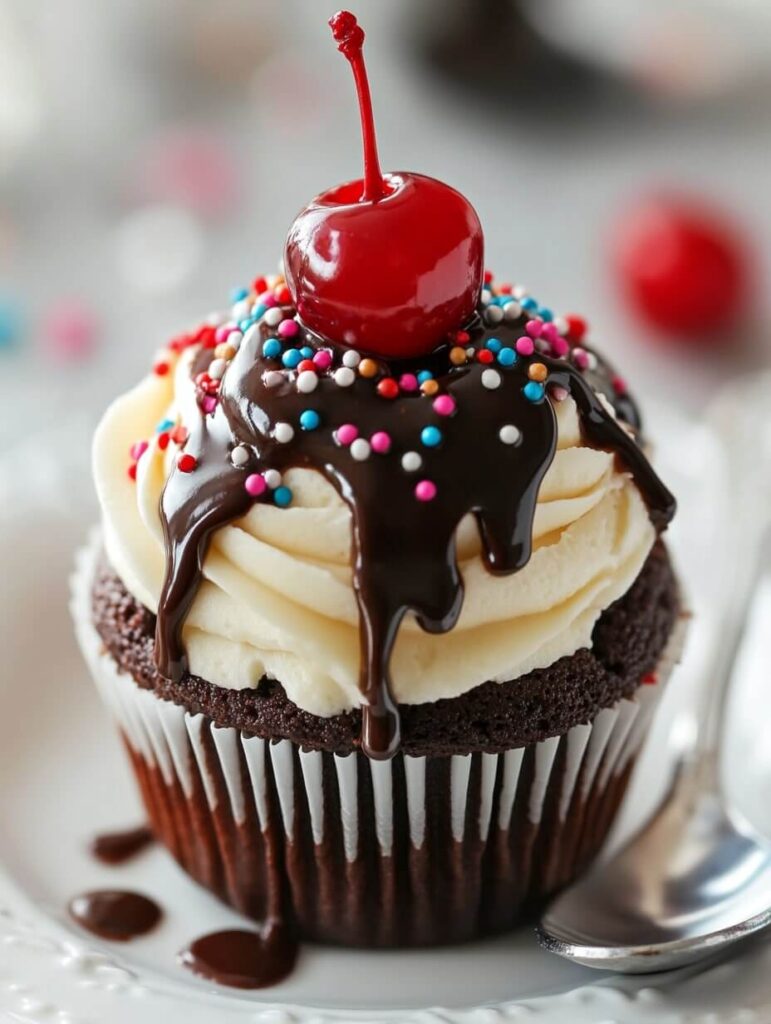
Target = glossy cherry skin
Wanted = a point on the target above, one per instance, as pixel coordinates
(683, 267)
(392, 277)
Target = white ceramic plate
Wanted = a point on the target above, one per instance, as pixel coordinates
(63, 779)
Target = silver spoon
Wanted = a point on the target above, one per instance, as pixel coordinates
(697, 877)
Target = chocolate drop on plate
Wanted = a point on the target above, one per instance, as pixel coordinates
(114, 914)
(115, 848)
(243, 959)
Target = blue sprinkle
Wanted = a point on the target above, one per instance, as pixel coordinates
(291, 358)
(493, 344)
(258, 311)
(431, 436)
(272, 348)
(425, 375)
(309, 419)
(164, 425)
(534, 391)
(546, 314)
(507, 357)
(529, 304)
(306, 352)
(501, 300)
(239, 294)
(244, 325)
(282, 496)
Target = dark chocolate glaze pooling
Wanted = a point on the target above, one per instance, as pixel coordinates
(116, 915)
(403, 549)
(243, 959)
(117, 847)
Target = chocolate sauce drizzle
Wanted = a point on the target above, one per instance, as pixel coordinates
(116, 915)
(403, 550)
(243, 959)
(115, 848)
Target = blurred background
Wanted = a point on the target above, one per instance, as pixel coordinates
(153, 155)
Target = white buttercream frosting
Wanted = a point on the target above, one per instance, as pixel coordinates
(277, 595)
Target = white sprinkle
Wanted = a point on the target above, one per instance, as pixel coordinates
(273, 316)
(470, 351)
(561, 324)
(272, 478)
(520, 291)
(558, 393)
(283, 432)
(592, 360)
(491, 379)
(217, 319)
(510, 434)
(235, 338)
(542, 345)
(486, 296)
(273, 378)
(240, 455)
(360, 449)
(351, 358)
(217, 368)
(307, 381)
(411, 462)
(512, 311)
(242, 309)
(344, 377)
(493, 315)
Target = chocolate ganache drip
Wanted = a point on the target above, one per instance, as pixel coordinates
(404, 523)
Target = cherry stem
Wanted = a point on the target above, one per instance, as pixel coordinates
(350, 42)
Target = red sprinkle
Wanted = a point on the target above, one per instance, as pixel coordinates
(202, 379)
(161, 369)
(650, 679)
(260, 285)
(163, 440)
(388, 388)
(488, 276)
(462, 337)
(619, 385)
(283, 295)
(306, 364)
(132, 471)
(179, 435)
(505, 289)
(484, 355)
(576, 326)
(186, 463)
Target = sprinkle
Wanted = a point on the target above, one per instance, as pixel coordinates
(309, 419)
(388, 388)
(259, 285)
(272, 348)
(267, 299)
(444, 405)
(408, 382)
(209, 403)
(217, 368)
(132, 471)
(272, 478)
(545, 313)
(576, 327)
(361, 449)
(346, 434)
(491, 379)
(484, 355)
(306, 352)
(239, 456)
(344, 376)
(283, 295)
(137, 450)
(561, 324)
(512, 311)
(380, 442)
(282, 496)
(509, 434)
(283, 432)
(520, 291)
(306, 364)
(533, 391)
(288, 329)
(255, 484)
(462, 337)
(619, 385)
(161, 368)
(224, 351)
(650, 679)
(429, 387)
(537, 371)
(486, 296)
(529, 304)
(322, 359)
(558, 393)
(273, 317)
(411, 462)
(458, 356)
(534, 328)
(493, 315)
(560, 347)
(368, 368)
(241, 310)
(425, 375)
(307, 381)
(291, 358)
(179, 435)
(524, 346)
(351, 358)
(494, 345)
(431, 437)
(272, 378)
(488, 276)
(186, 462)
(238, 294)
(507, 356)
(425, 490)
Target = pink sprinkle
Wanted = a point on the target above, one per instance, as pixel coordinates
(534, 328)
(137, 450)
(558, 393)
(581, 358)
(255, 484)
(209, 403)
(347, 434)
(444, 405)
(380, 442)
(524, 346)
(550, 332)
(322, 359)
(560, 347)
(619, 385)
(288, 328)
(267, 299)
(425, 490)
(408, 382)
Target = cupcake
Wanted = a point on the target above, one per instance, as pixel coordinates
(379, 603)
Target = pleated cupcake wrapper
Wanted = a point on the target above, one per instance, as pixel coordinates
(490, 835)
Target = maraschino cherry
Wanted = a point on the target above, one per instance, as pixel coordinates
(391, 263)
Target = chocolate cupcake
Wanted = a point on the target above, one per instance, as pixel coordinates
(380, 604)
